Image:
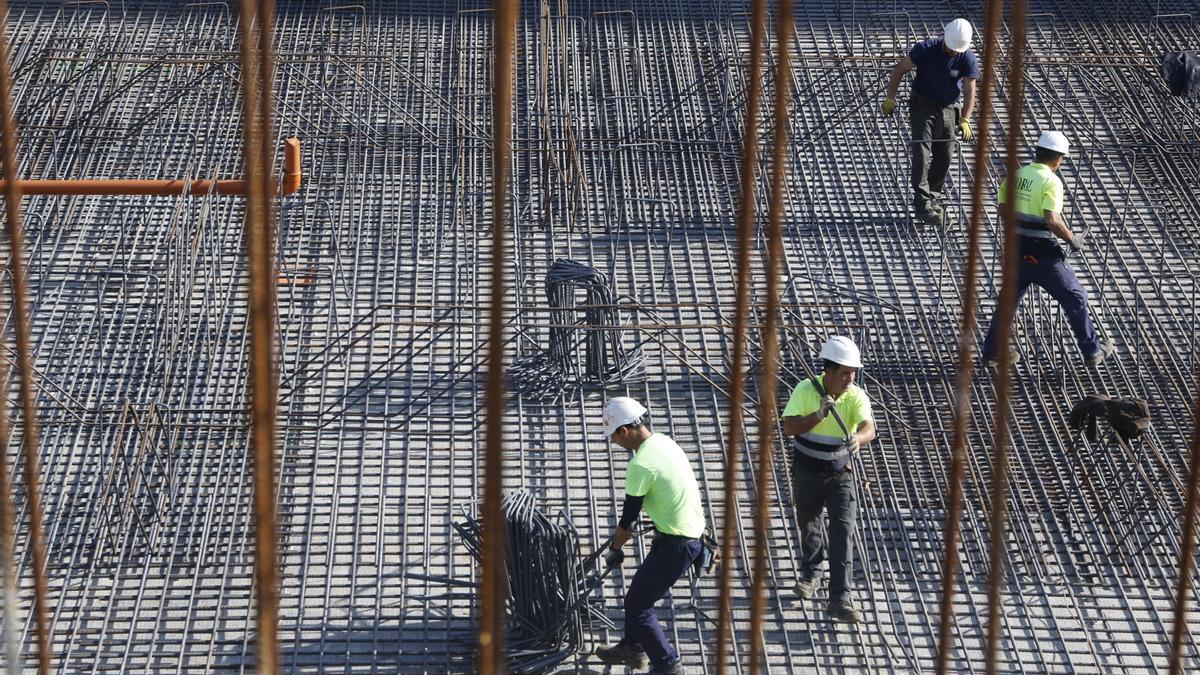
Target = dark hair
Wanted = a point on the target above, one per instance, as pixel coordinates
(1043, 155)
(831, 366)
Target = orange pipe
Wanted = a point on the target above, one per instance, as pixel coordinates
(291, 182)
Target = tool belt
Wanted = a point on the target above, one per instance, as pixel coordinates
(710, 554)
(710, 550)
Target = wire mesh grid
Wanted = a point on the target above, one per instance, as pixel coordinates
(628, 117)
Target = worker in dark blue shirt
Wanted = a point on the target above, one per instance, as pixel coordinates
(946, 72)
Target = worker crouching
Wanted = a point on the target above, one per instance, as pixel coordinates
(659, 479)
(829, 419)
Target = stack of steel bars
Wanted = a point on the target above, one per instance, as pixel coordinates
(545, 375)
(547, 584)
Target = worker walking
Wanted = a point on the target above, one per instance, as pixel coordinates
(659, 479)
(829, 419)
(1039, 205)
(946, 68)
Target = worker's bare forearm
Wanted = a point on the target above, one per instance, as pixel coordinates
(893, 83)
(794, 426)
(865, 433)
(968, 98)
(898, 72)
(619, 538)
(1058, 227)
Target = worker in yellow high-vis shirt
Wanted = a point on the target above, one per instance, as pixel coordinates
(1038, 198)
(661, 481)
(821, 470)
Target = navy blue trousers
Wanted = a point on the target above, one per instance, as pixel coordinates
(814, 490)
(669, 559)
(1043, 264)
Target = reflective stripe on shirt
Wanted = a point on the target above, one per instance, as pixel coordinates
(820, 454)
(820, 439)
(819, 446)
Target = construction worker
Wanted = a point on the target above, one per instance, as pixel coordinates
(823, 448)
(1039, 204)
(660, 480)
(945, 67)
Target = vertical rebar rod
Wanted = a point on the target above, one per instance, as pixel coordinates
(966, 340)
(491, 618)
(259, 233)
(12, 640)
(1187, 549)
(769, 377)
(29, 437)
(737, 383)
(1006, 310)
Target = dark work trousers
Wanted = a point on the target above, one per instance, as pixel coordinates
(813, 490)
(932, 148)
(669, 559)
(1044, 264)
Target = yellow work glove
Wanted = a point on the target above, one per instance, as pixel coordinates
(965, 126)
(889, 106)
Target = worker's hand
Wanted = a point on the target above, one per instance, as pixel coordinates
(850, 445)
(889, 106)
(827, 405)
(965, 126)
(613, 558)
(1076, 244)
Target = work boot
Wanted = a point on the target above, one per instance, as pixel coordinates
(1106, 350)
(940, 209)
(673, 668)
(930, 214)
(809, 582)
(842, 609)
(623, 654)
(1014, 357)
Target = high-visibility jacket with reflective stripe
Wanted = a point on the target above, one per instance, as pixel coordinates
(1038, 190)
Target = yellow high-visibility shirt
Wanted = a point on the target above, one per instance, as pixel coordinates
(853, 407)
(1038, 190)
(661, 474)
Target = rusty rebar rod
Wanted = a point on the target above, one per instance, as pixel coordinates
(1187, 549)
(11, 599)
(737, 383)
(257, 80)
(292, 177)
(769, 377)
(1006, 310)
(491, 616)
(966, 341)
(29, 437)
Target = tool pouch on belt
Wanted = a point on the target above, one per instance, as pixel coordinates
(710, 554)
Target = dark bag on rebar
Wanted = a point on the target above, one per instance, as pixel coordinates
(1129, 417)
(1181, 70)
(710, 554)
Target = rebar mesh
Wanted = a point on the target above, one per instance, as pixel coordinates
(627, 119)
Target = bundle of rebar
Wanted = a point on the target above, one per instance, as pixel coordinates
(547, 583)
(593, 324)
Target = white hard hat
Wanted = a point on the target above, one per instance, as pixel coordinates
(1054, 140)
(958, 35)
(842, 350)
(619, 411)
